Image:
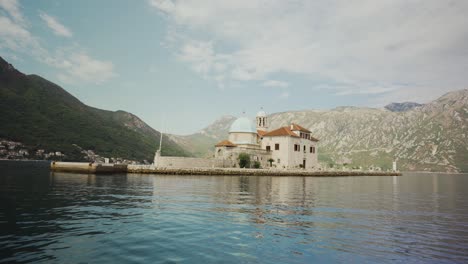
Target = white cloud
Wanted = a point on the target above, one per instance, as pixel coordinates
(275, 83)
(80, 67)
(362, 46)
(284, 95)
(56, 26)
(13, 35)
(73, 64)
(12, 7)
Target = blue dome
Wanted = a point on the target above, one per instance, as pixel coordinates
(243, 124)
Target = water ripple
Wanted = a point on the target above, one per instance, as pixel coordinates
(73, 218)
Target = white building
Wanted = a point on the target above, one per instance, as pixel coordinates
(288, 147)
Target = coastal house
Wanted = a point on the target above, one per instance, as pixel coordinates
(287, 147)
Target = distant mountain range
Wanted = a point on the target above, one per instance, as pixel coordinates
(433, 136)
(42, 115)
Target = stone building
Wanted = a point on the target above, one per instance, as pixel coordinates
(288, 147)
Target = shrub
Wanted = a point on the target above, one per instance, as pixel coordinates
(256, 165)
(244, 160)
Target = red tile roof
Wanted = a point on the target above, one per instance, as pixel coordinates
(282, 131)
(261, 133)
(313, 139)
(286, 131)
(300, 128)
(225, 143)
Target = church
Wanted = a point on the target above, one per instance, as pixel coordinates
(288, 147)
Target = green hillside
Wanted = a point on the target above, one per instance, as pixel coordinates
(41, 114)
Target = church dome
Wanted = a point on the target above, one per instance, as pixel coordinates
(243, 124)
(261, 114)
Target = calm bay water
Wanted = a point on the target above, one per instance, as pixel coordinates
(75, 218)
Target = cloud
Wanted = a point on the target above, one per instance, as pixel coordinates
(275, 83)
(74, 65)
(13, 35)
(362, 46)
(12, 7)
(55, 26)
(284, 95)
(80, 67)
(14, 32)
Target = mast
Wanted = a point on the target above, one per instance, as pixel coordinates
(158, 152)
(161, 133)
(160, 141)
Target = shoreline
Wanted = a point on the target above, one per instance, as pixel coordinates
(259, 172)
(98, 168)
(166, 169)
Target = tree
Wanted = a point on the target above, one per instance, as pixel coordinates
(271, 162)
(244, 160)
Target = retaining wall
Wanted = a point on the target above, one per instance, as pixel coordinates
(252, 172)
(186, 162)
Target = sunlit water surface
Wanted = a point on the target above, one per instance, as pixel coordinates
(76, 218)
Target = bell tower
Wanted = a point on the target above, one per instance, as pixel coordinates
(262, 120)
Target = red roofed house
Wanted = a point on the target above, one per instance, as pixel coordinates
(290, 146)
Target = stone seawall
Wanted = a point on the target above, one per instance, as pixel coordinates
(144, 169)
(187, 162)
(98, 168)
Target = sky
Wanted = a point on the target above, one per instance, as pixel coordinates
(180, 65)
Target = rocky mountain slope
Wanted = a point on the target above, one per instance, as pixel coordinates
(42, 115)
(201, 144)
(428, 137)
(402, 107)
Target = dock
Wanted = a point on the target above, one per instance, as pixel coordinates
(88, 167)
(103, 168)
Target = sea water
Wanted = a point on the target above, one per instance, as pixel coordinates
(129, 218)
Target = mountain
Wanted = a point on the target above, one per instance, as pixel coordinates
(402, 107)
(42, 115)
(433, 136)
(201, 144)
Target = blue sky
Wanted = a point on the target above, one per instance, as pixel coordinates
(179, 65)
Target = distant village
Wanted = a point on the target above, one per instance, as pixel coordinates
(12, 150)
(16, 150)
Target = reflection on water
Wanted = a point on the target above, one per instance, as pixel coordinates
(71, 218)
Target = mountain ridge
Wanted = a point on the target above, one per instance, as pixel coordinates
(43, 115)
(432, 136)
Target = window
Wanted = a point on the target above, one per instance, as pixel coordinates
(304, 148)
(312, 149)
(297, 147)
(268, 148)
(278, 160)
(276, 146)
